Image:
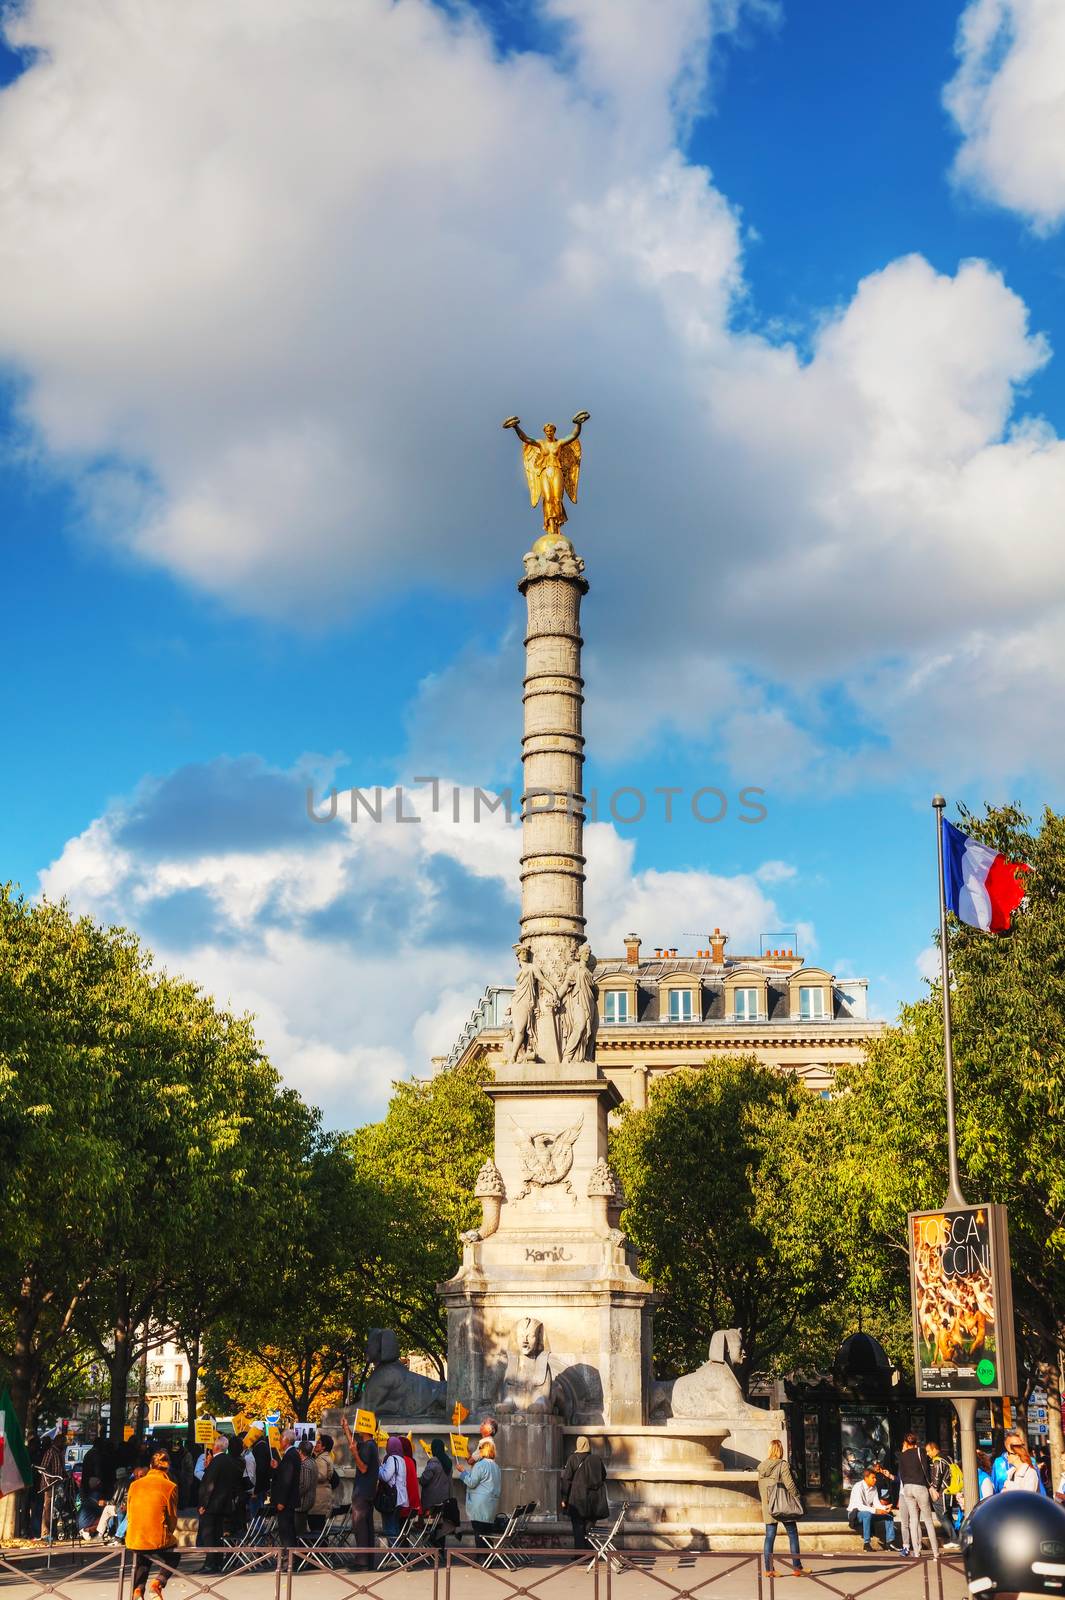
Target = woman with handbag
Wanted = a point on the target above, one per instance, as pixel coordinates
(583, 1491)
(780, 1503)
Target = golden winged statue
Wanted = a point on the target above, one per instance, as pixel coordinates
(552, 468)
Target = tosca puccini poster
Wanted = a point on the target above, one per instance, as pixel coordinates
(962, 1302)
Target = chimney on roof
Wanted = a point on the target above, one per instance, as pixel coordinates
(658, 952)
(718, 940)
(632, 949)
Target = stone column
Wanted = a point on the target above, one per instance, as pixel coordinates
(552, 860)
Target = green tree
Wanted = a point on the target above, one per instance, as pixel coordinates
(885, 1150)
(61, 1166)
(423, 1160)
(709, 1174)
(302, 1313)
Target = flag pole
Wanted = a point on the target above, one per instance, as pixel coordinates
(955, 1198)
(964, 1406)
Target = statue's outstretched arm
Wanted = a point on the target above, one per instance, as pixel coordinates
(512, 422)
(579, 419)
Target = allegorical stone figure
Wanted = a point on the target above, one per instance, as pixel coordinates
(527, 1384)
(581, 1014)
(552, 468)
(523, 1007)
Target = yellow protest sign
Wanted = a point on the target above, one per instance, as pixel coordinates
(127, 1433)
(460, 1446)
(275, 1439)
(365, 1422)
(459, 1414)
(381, 1437)
(426, 1446)
(253, 1433)
(204, 1431)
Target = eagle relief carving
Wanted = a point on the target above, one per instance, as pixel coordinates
(546, 1158)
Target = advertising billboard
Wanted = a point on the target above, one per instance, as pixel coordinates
(961, 1301)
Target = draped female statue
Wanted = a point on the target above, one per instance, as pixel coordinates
(552, 468)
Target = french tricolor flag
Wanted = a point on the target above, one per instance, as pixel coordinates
(981, 887)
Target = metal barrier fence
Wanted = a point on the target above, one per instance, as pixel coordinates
(335, 1572)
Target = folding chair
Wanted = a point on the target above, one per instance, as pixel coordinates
(259, 1531)
(319, 1543)
(499, 1544)
(400, 1543)
(337, 1535)
(423, 1533)
(519, 1555)
(605, 1548)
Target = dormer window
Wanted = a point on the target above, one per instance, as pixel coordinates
(812, 1003)
(746, 1001)
(615, 1005)
(681, 1005)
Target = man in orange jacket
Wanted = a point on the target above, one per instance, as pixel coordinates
(151, 1518)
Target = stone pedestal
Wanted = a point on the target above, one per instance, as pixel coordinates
(530, 1452)
(554, 1259)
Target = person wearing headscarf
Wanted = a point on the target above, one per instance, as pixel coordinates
(583, 1491)
(435, 1484)
(394, 1474)
(414, 1494)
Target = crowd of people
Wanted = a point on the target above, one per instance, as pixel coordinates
(925, 1496)
(133, 1494)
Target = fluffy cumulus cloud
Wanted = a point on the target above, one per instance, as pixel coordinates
(361, 946)
(272, 275)
(1008, 100)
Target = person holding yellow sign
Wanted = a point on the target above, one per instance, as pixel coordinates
(366, 1460)
(483, 1482)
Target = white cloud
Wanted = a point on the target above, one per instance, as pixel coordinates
(928, 965)
(1008, 100)
(776, 872)
(361, 948)
(300, 310)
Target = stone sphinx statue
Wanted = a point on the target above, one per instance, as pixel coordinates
(527, 1382)
(392, 1391)
(712, 1391)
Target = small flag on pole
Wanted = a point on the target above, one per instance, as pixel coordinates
(15, 1470)
(459, 1413)
(980, 886)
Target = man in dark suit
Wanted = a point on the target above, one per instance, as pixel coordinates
(285, 1490)
(221, 1482)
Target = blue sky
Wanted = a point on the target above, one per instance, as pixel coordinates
(270, 285)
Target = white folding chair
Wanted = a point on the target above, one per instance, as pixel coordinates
(401, 1543)
(605, 1548)
(499, 1544)
(423, 1533)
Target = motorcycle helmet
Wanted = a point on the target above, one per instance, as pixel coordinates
(1015, 1544)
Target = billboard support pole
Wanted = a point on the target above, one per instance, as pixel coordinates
(965, 1408)
(955, 1199)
